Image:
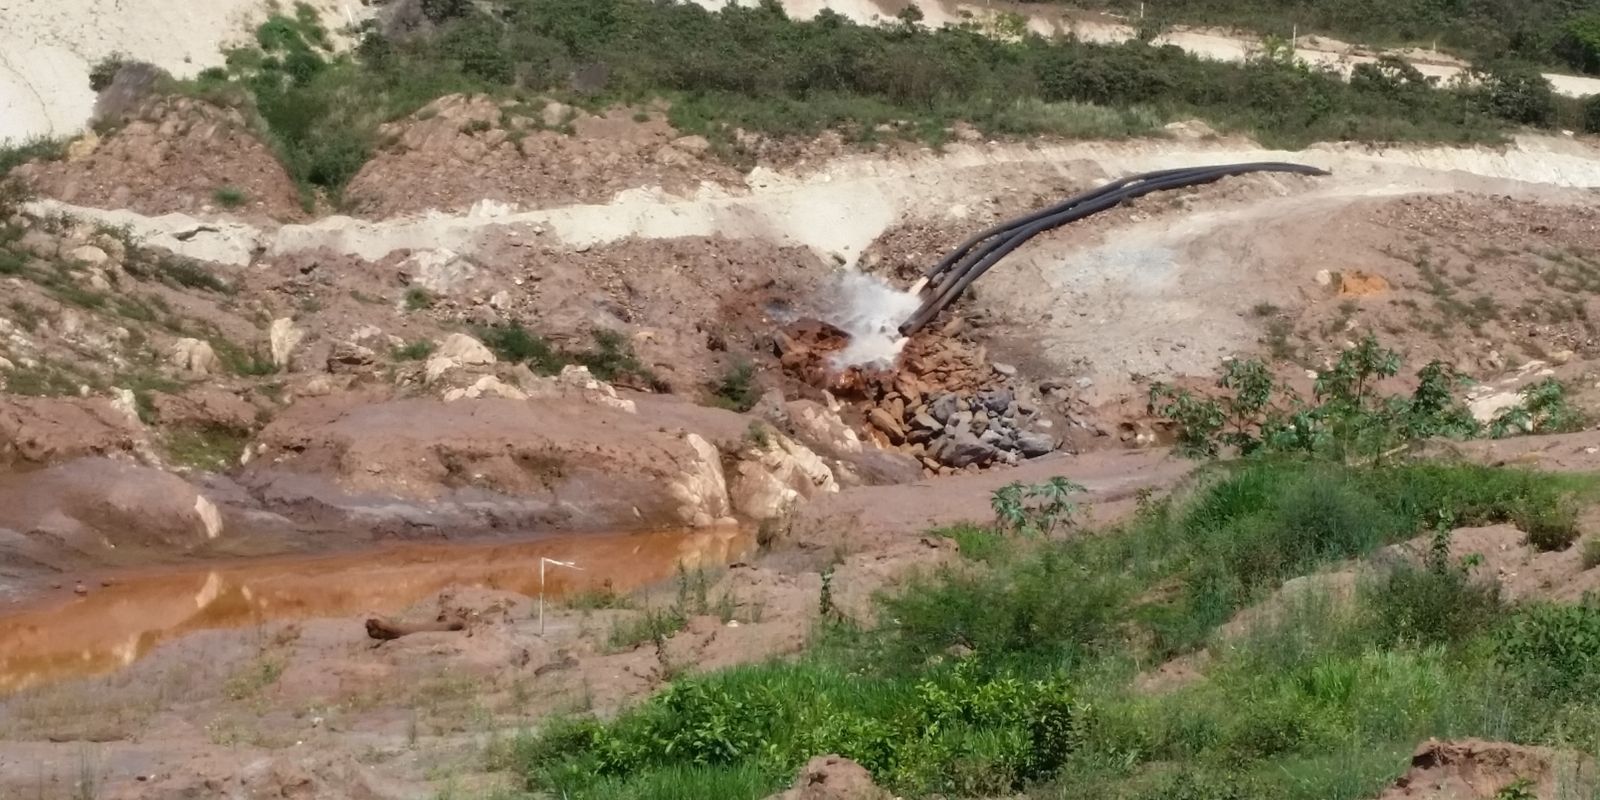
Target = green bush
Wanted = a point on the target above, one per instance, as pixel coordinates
(1553, 648)
(1407, 603)
(418, 299)
(414, 351)
(737, 389)
(229, 196)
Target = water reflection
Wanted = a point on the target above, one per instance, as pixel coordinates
(112, 627)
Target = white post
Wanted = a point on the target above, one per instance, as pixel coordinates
(543, 561)
(1141, 11)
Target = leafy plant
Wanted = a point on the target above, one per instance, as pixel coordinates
(1544, 409)
(1035, 510)
(1554, 647)
(1251, 414)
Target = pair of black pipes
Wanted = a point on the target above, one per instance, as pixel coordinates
(946, 280)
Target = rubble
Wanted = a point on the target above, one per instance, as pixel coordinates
(944, 403)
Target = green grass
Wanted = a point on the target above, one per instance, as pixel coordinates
(414, 351)
(211, 448)
(611, 357)
(230, 196)
(1018, 676)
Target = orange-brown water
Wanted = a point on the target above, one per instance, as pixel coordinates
(114, 626)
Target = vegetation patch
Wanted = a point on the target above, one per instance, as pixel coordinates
(1015, 673)
(755, 69)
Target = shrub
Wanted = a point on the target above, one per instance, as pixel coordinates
(1550, 526)
(612, 358)
(414, 351)
(737, 389)
(515, 344)
(418, 299)
(1591, 553)
(105, 71)
(1591, 114)
(1439, 605)
(1554, 648)
(1513, 92)
(1034, 510)
(229, 196)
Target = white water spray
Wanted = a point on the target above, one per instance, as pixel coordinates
(871, 311)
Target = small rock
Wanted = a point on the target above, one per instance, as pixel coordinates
(464, 349)
(1324, 278)
(925, 422)
(965, 450)
(943, 408)
(348, 357)
(886, 423)
(1085, 383)
(1561, 356)
(555, 114)
(1033, 444)
(80, 589)
(500, 300)
(998, 400)
(1003, 369)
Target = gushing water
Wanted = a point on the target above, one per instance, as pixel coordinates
(870, 310)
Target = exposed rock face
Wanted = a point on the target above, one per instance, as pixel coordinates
(774, 475)
(490, 462)
(702, 490)
(486, 386)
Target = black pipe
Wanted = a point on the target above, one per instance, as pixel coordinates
(1019, 222)
(967, 259)
(984, 258)
(1010, 235)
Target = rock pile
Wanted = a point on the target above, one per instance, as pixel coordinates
(943, 403)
